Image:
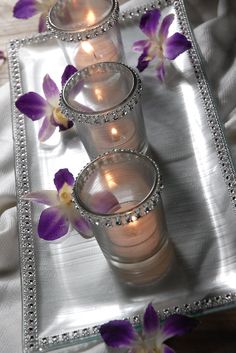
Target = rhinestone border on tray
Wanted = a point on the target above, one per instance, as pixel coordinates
(32, 342)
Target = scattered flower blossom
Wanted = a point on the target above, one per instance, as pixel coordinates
(54, 221)
(25, 9)
(36, 107)
(158, 45)
(2, 57)
(121, 334)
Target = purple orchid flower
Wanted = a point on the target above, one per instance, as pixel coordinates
(25, 9)
(36, 107)
(54, 221)
(121, 334)
(159, 45)
(2, 57)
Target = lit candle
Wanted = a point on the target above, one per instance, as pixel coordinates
(95, 50)
(132, 234)
(88, 32)
(115, 120)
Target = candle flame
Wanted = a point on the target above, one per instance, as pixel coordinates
(114, 131)
(98, 93)
(110, 181)
(90, 17)
(87, 47)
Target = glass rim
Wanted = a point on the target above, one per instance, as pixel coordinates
(144, 207)
(82, 35)
(114, 113)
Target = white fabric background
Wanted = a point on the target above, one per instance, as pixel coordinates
(215, 29)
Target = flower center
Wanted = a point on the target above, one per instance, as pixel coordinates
(65, 194)
(59, 118)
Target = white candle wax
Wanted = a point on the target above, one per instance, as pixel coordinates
(100, 49)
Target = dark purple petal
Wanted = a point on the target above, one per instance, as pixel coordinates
(2, 56)
(160, 70)
(61, 177)
(69, 124)
(177, 325)
(150, 320)
(104, 202)
(118, 333)
(46, 130)
(167, 349)
(80, 223)
(32, 105)
(176, 45)
(25, 9)
(51, 91)
(46, 197)
(165, 25)
(143, 61)
(149, 22)
(52, 224)
(140, 45)
(68, 72)
(42, 23)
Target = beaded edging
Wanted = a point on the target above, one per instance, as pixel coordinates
(33, 343)
(77, 36)
(118, 219)
(113, 114)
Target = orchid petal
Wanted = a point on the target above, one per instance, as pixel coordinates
(140, 45)
(160, 70)
(46, 130)
(167, 349)
(51, 91)
(149, 22)
(68, 72)
(143, 61)
(104, 202)
(63, 176)
(42, 27)
(25, 9)
(177, 325)
(118, 333)
(32, 105)
(165, 25)
(80, 223)
(151, 321)
(52, 224)
(69, 124)
(2, 56)
(176, 45)
(46, 197)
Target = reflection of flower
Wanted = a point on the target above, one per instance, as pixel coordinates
(36, 107)
(25, 9)
(159, 45)
(2, 57)
(121, 334)
(54, 221)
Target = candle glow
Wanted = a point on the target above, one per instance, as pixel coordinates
(91, 19)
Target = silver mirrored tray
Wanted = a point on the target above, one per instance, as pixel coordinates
(68, 289)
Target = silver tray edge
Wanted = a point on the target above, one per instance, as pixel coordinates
(26, 238)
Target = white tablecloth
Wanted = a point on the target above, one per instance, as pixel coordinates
(215, 29)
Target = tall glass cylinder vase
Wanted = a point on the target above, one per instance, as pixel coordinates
(87, 31)
(132, 234)
(104, 102)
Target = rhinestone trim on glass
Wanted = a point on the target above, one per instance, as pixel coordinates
(77, 36)
(113, 114)
(30, 325)
(119, 219)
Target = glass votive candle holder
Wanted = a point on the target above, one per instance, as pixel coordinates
(88, 31)
(131, 232)
(103, 101)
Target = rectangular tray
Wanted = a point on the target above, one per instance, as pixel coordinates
(68, 290)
